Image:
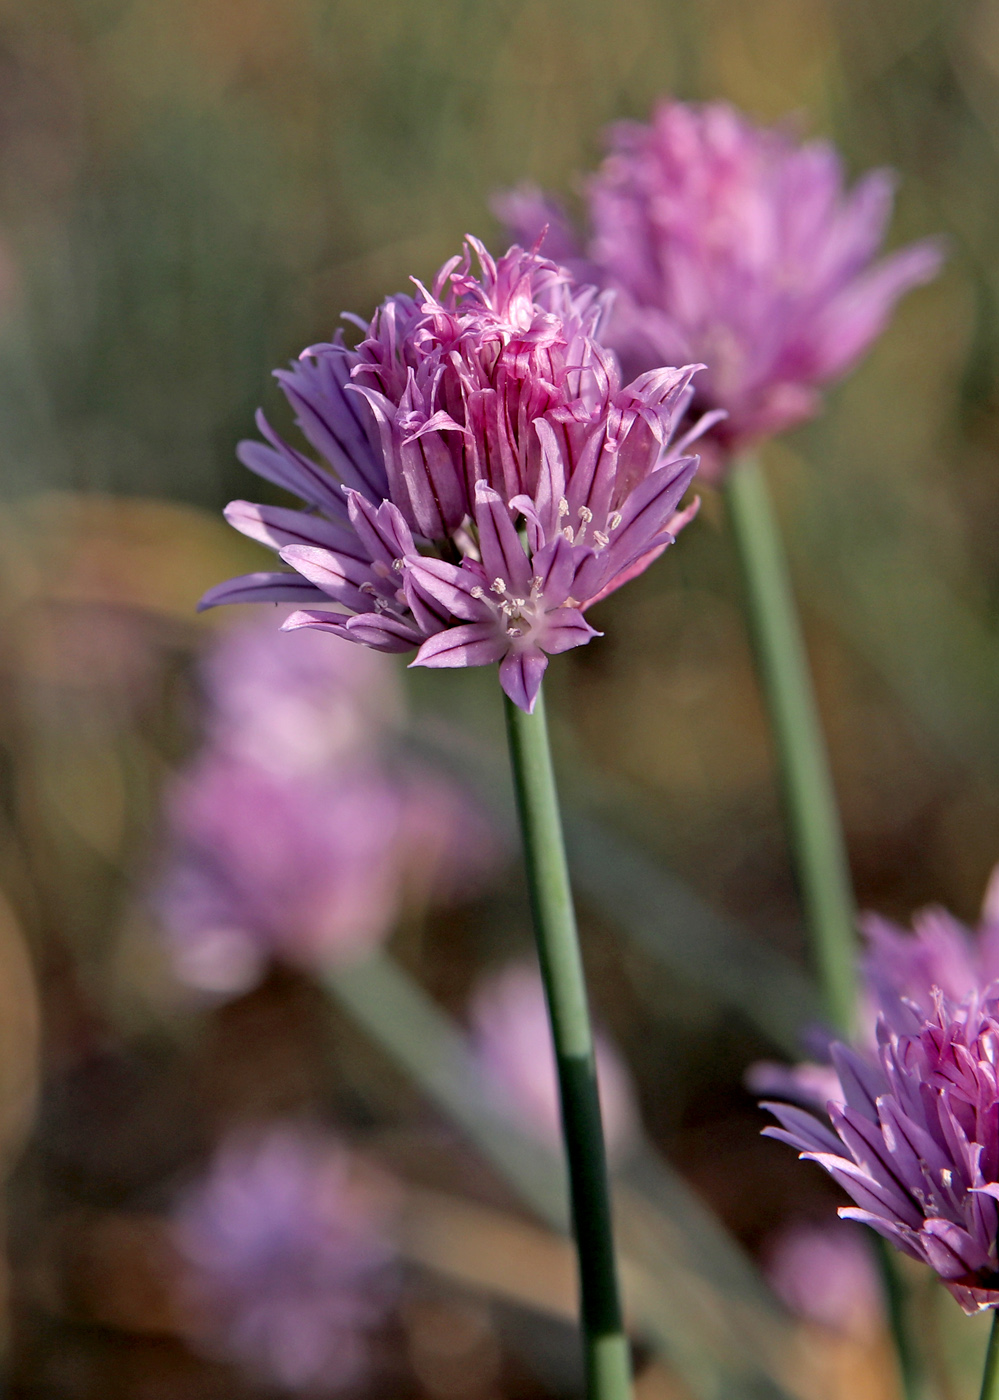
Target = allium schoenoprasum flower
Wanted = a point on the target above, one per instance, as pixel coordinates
(738, 246)
(511, 1040)
(486, 476)
(915, 1143)
(286, 1263)
(300, 833)
(826, 1274)
(940, 953)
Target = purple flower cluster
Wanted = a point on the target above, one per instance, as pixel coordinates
(940, 952)
(732, 244)
(486, 475)
(916, 1142)
(297, 833)
(286, 1264)
(512, 1043)
(907, 1120)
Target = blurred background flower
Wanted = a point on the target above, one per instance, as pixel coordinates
(826, 1274)
(297, 834)
(286, 1266)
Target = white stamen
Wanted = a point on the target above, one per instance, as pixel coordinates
(601, 538)
(563, 507)
(480, 593)
(614, 520)
(568, 534)
(585, 514)
(498, 585)
(397, 564)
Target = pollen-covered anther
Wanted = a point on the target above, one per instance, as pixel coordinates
(601, 539)
(567, 531)
(585, 514)
(614, 520)
(498, 585)
(479, 593)
(563, 507)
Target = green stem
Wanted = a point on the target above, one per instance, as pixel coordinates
(816, 832)
(608, 1370)
(990, 1376)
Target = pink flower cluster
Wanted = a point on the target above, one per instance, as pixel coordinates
(907, 1120)
(300, 832)
(487, 476)
(733, 244)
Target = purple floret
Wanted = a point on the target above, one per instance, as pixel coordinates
(732, 244)
(486, 476)
(915, 1143)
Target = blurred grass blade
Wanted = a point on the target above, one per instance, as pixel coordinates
(689, 1289)
(665, 918)
(659, 912)
(399, 1016)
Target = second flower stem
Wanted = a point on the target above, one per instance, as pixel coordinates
(813, 818)
(608, 1369)
(819, 848)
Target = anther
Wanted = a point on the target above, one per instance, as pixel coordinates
(498, 585)
(568, 534)
(563, 507)
(480, 593)
(614, 520)
(585, 514)
(601, 538)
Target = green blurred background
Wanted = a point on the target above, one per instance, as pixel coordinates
(192, 190)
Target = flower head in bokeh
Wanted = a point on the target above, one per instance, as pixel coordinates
(486, 475)
(735, 245)
(299, 832)
(939, 954)
(915, 1143)
(826, 1274)
(511, 1038)
(286, 1266)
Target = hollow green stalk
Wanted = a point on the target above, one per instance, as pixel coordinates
(608, 1369)
(816, 832)
(990, 1376)
(815, 828)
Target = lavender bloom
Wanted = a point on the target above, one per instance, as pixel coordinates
(513, 1048)
(286, 1265)
(485, 402)
(939, 954)
(825, 1274)
(297, 835)
(916, 1142)
(730, 243)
